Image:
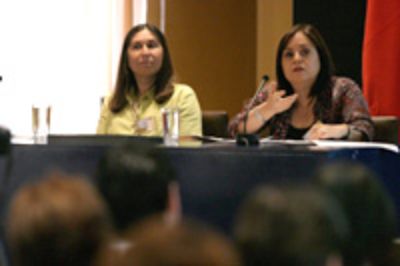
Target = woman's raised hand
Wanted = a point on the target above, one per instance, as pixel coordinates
(276, 101)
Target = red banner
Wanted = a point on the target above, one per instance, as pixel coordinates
(381, 57)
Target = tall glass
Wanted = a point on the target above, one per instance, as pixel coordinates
(170, 121)
(41, 120)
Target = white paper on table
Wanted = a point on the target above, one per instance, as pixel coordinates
(356, 144)
(295, 142)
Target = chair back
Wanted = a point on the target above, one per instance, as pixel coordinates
(386, 129)
(215, 123)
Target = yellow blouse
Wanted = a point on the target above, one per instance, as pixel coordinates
(142, 116)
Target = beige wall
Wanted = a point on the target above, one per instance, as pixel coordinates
(222, 47)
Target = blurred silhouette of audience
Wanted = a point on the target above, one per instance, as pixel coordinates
(285, 226)
(370, 212)
(60, 220)
(137, 182)
(346, 218)
(187, 243)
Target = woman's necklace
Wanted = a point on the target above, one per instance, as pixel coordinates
(141, 125)
(135, 106)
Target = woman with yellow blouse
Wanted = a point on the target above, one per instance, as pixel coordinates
(144, 86)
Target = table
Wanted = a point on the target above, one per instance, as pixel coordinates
(213, 178)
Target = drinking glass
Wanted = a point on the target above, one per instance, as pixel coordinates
(41, 120)
(170, 121)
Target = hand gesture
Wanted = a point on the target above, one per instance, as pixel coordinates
(276, 102)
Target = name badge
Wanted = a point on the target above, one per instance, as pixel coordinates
(145, 124)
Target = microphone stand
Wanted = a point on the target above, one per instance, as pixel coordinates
(245, 139)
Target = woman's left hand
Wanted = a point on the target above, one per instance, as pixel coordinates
(327, 131)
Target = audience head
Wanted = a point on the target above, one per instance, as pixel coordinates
(189, 243)
(370, 211)
(131, 64)
(136, 182)
(289, 226)
(60, 220)
(323, 64)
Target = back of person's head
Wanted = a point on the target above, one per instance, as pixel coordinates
(285, 226)
(368, 207)
(135, 182)
(60, 220)
(186, 243)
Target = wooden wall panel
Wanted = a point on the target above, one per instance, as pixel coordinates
(213, 45)
(153, 13)
(222, 47)
(274, 18)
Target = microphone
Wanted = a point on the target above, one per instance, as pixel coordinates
(251, 139)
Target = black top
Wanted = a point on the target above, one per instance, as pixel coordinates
(296, 133)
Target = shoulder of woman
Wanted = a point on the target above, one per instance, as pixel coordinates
(343, 81)
(180, 88)
(346, 88)
(107, 97)
(105, 100)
